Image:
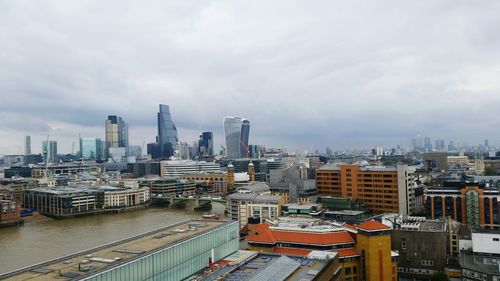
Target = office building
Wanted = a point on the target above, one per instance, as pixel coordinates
(90, 149)
(116, 133)
(293, 183)
(144, 168)
(254, 200)
(382, 189)
(153, 150)
(236, 131)
(27, 145)
(475, 204)
(206, 144)
(176, 168)
(49, 151)
(169, 253)
(164, 189)
(167, 133)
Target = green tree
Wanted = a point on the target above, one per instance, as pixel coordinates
(439, 276)
(490, 171)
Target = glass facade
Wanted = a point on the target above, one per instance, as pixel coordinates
(167, 133)
(178, 261)
(116, 133)
(237, 132)
(206, 144)
(49, 150)
(90, 149)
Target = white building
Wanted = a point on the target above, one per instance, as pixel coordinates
(176, 168)
(117, 197)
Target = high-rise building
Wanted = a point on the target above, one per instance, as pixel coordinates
(116, 133)
(90, 149)
(427, 144)
(49, 151)
(27, 145)
(237, 131)
(167, 133)
(206, 144)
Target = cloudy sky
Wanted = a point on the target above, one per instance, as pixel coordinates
(308, 74)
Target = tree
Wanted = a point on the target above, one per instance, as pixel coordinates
(439, 276)
(490, 171)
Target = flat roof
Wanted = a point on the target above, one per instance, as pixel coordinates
(108, 256)
(268, 266)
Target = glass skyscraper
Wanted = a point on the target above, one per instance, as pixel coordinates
(116, 133)
(236, 131)
(167, 133)
(206, 144)
(90, 149)
(49, 151)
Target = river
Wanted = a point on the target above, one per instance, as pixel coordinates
(42, 238)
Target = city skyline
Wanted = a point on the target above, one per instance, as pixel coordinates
(358, 75)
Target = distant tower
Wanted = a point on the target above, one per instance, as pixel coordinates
(27, 145)
(251, 171)
(116, 133)
(236, 131)
(230, 178)
(167, 132)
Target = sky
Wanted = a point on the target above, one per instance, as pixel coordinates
(307, 74)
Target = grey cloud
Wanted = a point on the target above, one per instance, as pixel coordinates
(336, 73)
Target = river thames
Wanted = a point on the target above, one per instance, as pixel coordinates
(42, 238)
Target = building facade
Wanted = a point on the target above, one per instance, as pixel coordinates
(475, 204)
(167, 133)
(27, 145)
(206, 144)
(177, 168)
(237, 132)
(90, 149)
(383, 189)
(49, 151)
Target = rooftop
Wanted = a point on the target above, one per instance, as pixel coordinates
(273, 267)
(90, 262)
(372, 226)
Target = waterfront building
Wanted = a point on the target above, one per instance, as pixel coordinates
(75, 201)
(49, 151)
(164, 189)
(27, 145)
(206, 144)
(382, 189)
(9, 208)
(236, 131)
(90, 149)
(169, 253)
(167, 133)
(177, 168)
(475, 204)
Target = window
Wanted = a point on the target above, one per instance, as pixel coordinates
(496, 239)
(403, 245)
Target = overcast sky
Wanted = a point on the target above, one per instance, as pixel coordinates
(307, 74)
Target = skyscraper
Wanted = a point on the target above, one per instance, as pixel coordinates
(49, 151)
(90, 149)
(116, 133)
(27, 145)
(206, 144)
(167, 133)
(236, 131)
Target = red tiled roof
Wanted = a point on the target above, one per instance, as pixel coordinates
(292, 251)
(373, 226)
(263, 234)
(351, 252)
(349, 226)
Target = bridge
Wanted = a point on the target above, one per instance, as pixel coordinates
(200, 201)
